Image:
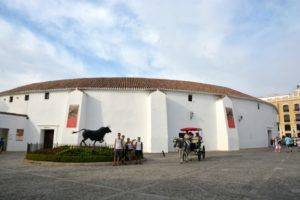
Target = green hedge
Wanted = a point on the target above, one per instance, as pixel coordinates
(56, 158)
(73, 154)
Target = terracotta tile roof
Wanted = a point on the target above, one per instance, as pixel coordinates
(127, 83)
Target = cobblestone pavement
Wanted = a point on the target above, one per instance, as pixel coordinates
(246, 174)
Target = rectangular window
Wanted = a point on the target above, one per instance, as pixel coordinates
(46, 95)
(298, 127)
(286, 108)
(297, 117)
(287, 118)
(26, 97)
(287, 127)
(190, 97)
(258, 106)
(297, 107)
(11, 99)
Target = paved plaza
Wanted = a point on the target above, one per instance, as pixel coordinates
(246, 174)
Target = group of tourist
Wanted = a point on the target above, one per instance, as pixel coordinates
(277, 143)
(128, 150)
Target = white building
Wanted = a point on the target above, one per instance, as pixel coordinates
(153, 109)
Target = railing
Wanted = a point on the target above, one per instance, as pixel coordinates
(31, 147)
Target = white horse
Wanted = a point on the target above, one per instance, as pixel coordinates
(183, 148)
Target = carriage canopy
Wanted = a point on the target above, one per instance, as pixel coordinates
(187, 129)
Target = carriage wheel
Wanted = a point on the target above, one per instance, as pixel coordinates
(203, 152)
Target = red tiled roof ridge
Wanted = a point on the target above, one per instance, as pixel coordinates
(127, 83)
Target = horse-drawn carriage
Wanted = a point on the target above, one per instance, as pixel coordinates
(189, 141)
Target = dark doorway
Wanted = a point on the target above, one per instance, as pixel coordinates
(48, 139)
(4, 136)
(270, 142)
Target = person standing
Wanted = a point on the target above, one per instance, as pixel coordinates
(118, 149)
(277, 145)
(272, 142)
(123, 156)
(288, 143)
(129, 149)
(1, 145)
(138, 151)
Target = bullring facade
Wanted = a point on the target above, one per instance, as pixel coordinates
(154, 109)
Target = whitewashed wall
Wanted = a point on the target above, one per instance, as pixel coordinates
(222, 132)
(130, 112)
(13, 123)
(43, 114)
(253, 128)
(19, 105)
(157, 134)
(75, 97)
(204, 109)
(124, 111)
(228, 138)
(48, 114)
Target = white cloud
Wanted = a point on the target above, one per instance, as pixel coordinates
(240, 44)
(246, 45)
(60, 11)
(26, 58)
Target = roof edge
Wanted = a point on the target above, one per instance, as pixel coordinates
(126, 83)
(14, 114)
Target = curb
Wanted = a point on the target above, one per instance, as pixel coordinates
(58, 164)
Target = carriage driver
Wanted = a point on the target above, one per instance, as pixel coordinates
(186, 136)
(198, 136)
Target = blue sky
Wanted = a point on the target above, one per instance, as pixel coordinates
(252, 46)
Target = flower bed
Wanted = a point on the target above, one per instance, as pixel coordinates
(73, 154)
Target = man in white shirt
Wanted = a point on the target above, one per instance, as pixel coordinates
(138, 151)
(118, 148)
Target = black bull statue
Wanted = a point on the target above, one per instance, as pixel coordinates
(94, 135)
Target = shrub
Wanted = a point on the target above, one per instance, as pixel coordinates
(73, 154)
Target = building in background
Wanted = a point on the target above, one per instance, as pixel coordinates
(288, 112)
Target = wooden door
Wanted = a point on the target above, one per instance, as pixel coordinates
(48, 139)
